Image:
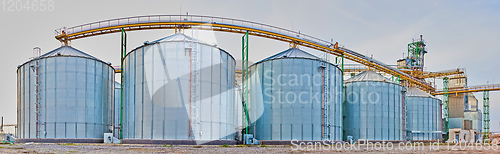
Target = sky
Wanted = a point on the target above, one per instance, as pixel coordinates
(458, 33)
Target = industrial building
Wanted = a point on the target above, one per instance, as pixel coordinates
(295, 95)
(64, 94)
(178, 88)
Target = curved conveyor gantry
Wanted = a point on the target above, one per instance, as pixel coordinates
(227, 25)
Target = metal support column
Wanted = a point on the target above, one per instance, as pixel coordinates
(123, 53)
(446, 107)
(244, 70)
(486, 116)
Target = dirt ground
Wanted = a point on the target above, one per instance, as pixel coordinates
(135, 148)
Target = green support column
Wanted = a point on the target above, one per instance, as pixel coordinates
(244, 88)
(486, 116)
(123, 52)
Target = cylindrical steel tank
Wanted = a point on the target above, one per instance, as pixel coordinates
(295, 95)
(117, 109)
(179, 88)
(68, 92)
(373, 108)
(423, 115)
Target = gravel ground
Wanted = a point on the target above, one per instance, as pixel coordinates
(127, 148)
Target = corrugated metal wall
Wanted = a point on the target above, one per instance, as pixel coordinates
(456, 105)
(76, 97)
(117, 109)
(373, 110)
(286, 100)
(424, 118)
(157, 93)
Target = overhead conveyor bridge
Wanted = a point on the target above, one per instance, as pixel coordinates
(180, 22)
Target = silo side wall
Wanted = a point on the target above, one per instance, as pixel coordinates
(286, 99)
(160, 94)
(424, 118)
(76, 96)
(374, 111)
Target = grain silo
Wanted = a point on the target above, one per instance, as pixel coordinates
(423, 115)
(295, 95)
(117, 109)
(64, 95)
(179, 90)
(373, 108)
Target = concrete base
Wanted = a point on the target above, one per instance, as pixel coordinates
(180, 142)
(59, 140)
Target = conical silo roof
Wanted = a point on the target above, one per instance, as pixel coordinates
(67, 51)
(292, 53)
(177, 37)
(369, 75)
(415, 92)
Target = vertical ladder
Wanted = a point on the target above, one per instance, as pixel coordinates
(192, 45)
(326, 97)
(486, 116)
(36, 53)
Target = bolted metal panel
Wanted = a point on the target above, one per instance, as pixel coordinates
(286, 98)
(373, 108)
(423, 115)
(164, 99)
(75, 96)
(116, 109)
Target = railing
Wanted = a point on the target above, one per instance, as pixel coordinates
(384, 65)
(216, 22)
(489, 87)
(187, 19)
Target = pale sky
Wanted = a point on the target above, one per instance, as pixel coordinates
(458, 33)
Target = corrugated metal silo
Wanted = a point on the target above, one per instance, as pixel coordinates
(69, 92)
(423, 115)
(295, 95)
(178, 88)
(116, 111)
(373, 108)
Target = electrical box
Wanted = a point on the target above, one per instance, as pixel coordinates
(108, 138)
(248, 138)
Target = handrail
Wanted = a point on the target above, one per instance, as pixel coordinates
(183, 18)
(478, 88)
(229, 25)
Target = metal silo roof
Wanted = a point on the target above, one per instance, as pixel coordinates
(415, 92)
(177, 37)
(292, 53)
(67, 51)
(369, 76)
